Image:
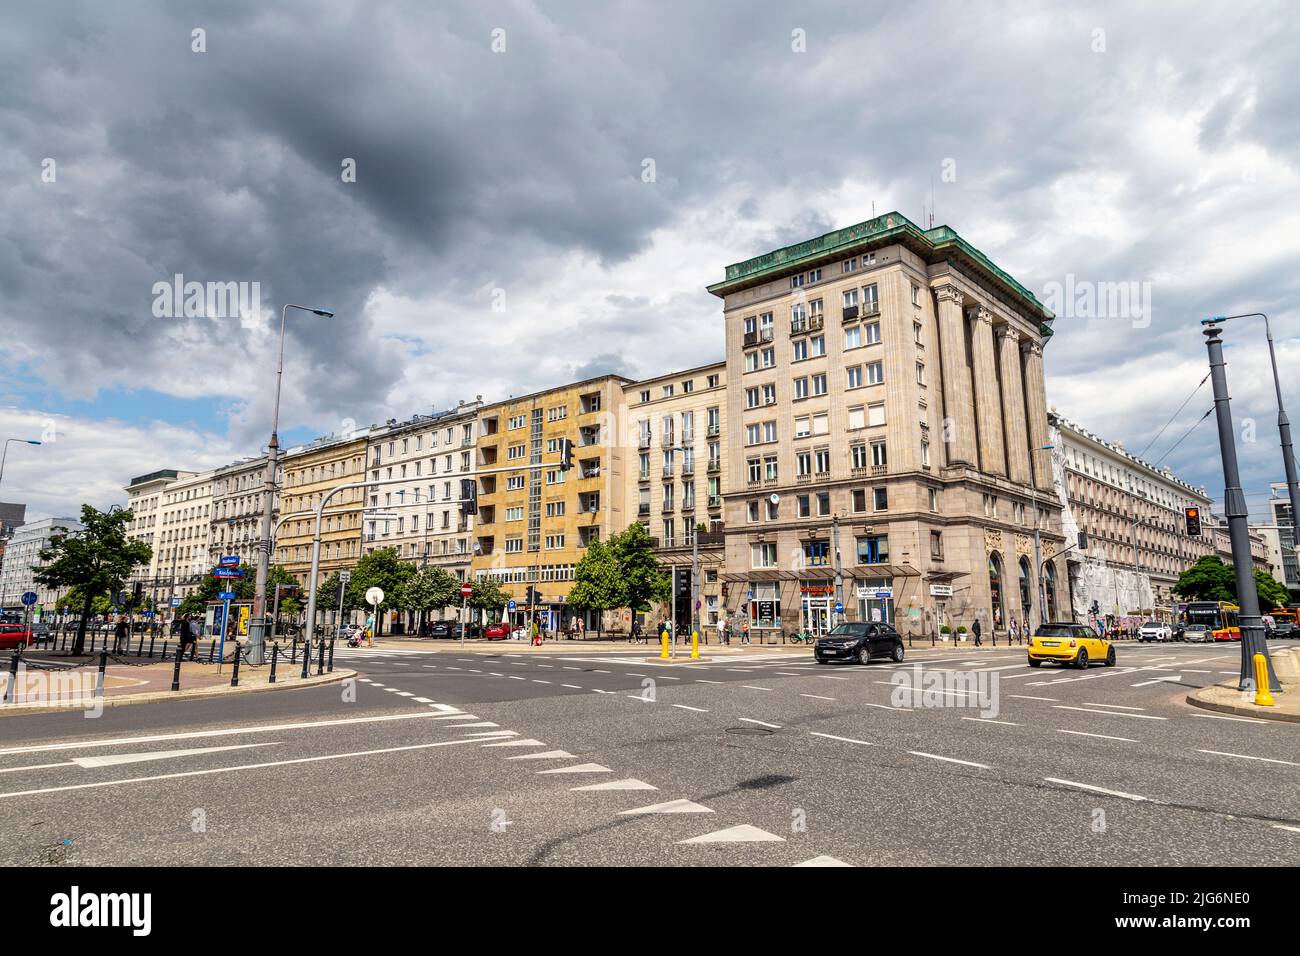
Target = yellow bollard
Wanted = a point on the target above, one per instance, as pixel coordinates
(663, 644)
(1262, 696)
(695, 645)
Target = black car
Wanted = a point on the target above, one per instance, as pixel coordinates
(860, 641)
(443, 629)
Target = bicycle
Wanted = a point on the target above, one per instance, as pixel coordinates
(802, 637)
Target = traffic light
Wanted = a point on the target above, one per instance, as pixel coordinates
(1193, 516)
(533, 598)
(468, 496)
(566, 454)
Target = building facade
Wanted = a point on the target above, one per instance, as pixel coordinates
(1279, 504)
(144, 499)
(22, 558)
(310, 472)
(535, 520)
(180, 551)
(886, 401)
(678, 480)
(238, 501)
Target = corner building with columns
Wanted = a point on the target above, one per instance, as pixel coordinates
(889, 430)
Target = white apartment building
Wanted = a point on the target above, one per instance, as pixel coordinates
(238, 493)
(144, 496)
(180, 549)
(22, 558)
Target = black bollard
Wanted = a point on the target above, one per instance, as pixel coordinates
(275, 658)
(306, 658)
(139, 651)
(163, 655)
(234, 674)
(13, 676)
(103, 666)
(212, 652)
(176, 671)
(151, 646)
(330, 668)
(320, 662)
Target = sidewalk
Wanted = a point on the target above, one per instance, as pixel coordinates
(45, 683)
(1226, 698)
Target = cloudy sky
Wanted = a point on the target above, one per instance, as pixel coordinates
(500, 234)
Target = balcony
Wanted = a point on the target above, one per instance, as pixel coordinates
(879, 469)
(714, 466)
(811, 323)
(714, 431)
(849, 314)
(688, 505)
(870, 309)
(688, 468)
(643, 509)
(643, 441)
(643, 476)
(715, 501)
(750, 339)
(666, 441)
(668, 471)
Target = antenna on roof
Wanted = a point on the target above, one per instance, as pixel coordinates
(931, 202)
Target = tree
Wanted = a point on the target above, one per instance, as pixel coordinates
(196, 602)
(327, 596)
(1272, 593)
(643, 580)
(488, 595)
(597, 583)
(96, 560)
(430, 588)
(380, 569)
(1209, 579)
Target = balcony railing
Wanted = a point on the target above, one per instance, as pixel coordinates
(668, 471)
(643, 510)
(643, 441)
(751, 338)
(714, 431)
(666, 441)
(715, 466)
(850, 313)
(715, 501)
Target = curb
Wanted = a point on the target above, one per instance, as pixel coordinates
(155, 697)
(1258, 713)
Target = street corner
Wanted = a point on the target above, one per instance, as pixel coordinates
(1228, 698)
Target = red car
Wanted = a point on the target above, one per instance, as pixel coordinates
(15, 635)
(497, 632)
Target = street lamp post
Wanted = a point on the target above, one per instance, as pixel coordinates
(257, 625)
(1283, 423)
(1234, 508)
(5, 454)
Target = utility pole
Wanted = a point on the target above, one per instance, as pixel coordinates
(839, 576)
(1235, 510)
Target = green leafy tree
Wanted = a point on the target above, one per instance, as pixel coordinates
(644, 581)
(1272, 593)
(196, 602)
(429, 589)
(380, 569)
(96, 561)
(327, 597)
(1209, 579)
(488, 595)
(597, 581)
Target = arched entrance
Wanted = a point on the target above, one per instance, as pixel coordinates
(1049, 582)
(995, 589)
(1026, 590)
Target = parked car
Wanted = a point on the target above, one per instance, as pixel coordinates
(15, 635)
(1197, 634)
(1155, 631)
(860, 641)
(1285, 630)
(497, 632)
(444, 629)
(1069, 643)
(41, 632)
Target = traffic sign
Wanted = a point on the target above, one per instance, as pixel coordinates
(511, 605)
(229, 561)
(345, 576)
(375, 596)
(466, 590)
(226, 595)
(839, 607)
(29, 598)
(176, 602)
(227, 572)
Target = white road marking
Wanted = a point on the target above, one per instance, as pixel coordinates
(847, 740)
(517, 743)
(548, 755)
(423, 700)
(1283, 826)
(1116, 706)
(250, 766)
(1026, 697)
(111, 760)
(1245, 720)
(1088, 786)
(571, 686)
(742, 833)
(752, 687)
(989, 720)
(1094, 710)
(897, 710)
(761, 723)
(702, 681)
(823, 861)
(578, 768)
(672, 806)
(699, 710)
(786, 673)
(1221, 753)
(629, 784)
(1080, 733)
(816, 696)
(1159, 680)
(539, 681)
(965, 763)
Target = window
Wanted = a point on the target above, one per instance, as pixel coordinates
(754, 467)
(818, 345)
(858, 455)
(849, 265)
(878, 456)
(819, 384)
(853, 376)
(751, 361)
(858, 500)
(514, 545)
(821, 424)
(753, 397)
(853, 338)
(688, 386)
(916, 333)
(803, 506)
(873, 549)
(751, 511)
(769, 397)
(876, 413)
(816, 554)
(769, 358)
(857, 417)
(823, 456)
(645, 396)
(769, 468)
(934, 499)
(800, 388)
(773, 509)
(875, 373)
(803, 463)
(871, 331)
(880, 499)
(764, 555)
(916, 295)
(800, 350)
(920, 373)
(925, 456)
(815, 275)
(849, 298)
(870, 299)
(823, 504)
(796, 282)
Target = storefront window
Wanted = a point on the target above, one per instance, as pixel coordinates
(765, 608)
(876, 600)
(995, 587)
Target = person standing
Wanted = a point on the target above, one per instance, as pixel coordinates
(977, 630)
(1013, 634)
(722, 629)
(744, 633)
(120, 635)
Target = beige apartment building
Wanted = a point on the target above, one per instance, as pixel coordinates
(677, 484)
(311, 471)
(535, 520)
(423, 463)
(886, 403)
(238, 501)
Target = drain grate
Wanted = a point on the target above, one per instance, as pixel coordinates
(750, 731)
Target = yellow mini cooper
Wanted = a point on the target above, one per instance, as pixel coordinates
(1067, 643)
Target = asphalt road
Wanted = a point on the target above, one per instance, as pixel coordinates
(514, 757)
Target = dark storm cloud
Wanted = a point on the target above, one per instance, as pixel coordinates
(479, 171)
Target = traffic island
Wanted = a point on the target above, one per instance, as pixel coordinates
(1227, 698)
(41, 689)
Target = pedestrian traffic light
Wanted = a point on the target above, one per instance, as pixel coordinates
(468, 496)
(566, 454)
(1193, 516)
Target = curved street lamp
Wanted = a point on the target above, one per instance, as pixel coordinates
(5, 454)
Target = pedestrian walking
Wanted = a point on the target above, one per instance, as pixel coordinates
(120, 635)
(977, 630)
(722, 629)
(185, 633)
(744, 633)
(370, 630)
(1013, 634)
(537, 634)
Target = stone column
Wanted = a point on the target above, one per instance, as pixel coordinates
(1036, 409)
(1013, 405)
(988, 409)
(958, 400)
